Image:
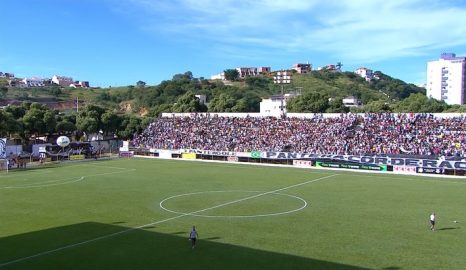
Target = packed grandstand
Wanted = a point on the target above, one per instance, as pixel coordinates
(345, 134)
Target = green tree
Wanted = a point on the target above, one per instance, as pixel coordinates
(111, 122)
(188, 103)
(457, 109)
(70, 118)
(336, 106)
(377, 106)
(308, 103)
(258, 82)
(89, 119)
(50, 121)
(65, 127)
(16, 111)
(87, 124)
(253, 100)
(241, 106)
(419, 103)
(158, 110)
(33, 120)
(222, 103)
(187, 76)
(231, 74)
(395, 88)
(129, 126)
(8, 123)
(141, 84)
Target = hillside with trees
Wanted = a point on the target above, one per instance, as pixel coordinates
(239, 95)
(124, 110)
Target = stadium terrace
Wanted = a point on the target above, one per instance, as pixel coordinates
(416, 136)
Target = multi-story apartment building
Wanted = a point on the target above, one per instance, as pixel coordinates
(365, 73)
(276, 105)
(264, 70)
(302, 68)
(244, 72)
(247, 71)
(446, 79)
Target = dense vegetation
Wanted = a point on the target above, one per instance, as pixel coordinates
(32, 120)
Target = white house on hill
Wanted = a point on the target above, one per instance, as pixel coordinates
(275, 105)
(62, 81)
(365, 73)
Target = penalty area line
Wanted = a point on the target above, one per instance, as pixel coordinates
(157, 222)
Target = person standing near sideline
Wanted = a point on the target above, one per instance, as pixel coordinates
(193, 237)
(432, 221)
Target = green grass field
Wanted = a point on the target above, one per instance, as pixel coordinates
(136, 214)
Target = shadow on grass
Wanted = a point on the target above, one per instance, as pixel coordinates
(78, 246)
(448, 228)
(212, 238)
(118, 222)
(178, 233)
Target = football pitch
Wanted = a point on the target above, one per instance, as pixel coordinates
(137, 214)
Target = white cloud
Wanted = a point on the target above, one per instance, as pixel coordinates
(352, 30)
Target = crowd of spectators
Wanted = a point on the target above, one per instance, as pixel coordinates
(348, 134)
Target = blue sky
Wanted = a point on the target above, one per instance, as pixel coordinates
(118, 42)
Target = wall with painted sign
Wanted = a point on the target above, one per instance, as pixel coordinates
(368, 163)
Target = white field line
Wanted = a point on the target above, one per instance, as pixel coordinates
(46, 183)
(16, 174)
(257, 195)
(225, 191)
(156, 222)
(99, 166)
(63, 181)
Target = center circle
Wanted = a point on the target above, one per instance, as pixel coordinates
(198, 213)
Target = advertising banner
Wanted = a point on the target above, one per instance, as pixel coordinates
(404, 169)
(376, 160)
(2, 148)
(256, 154)
(77, 157)
(367, 167)
(302, 163)
(126, 153)
(430, 170)
(188, 155)
(210, 152)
